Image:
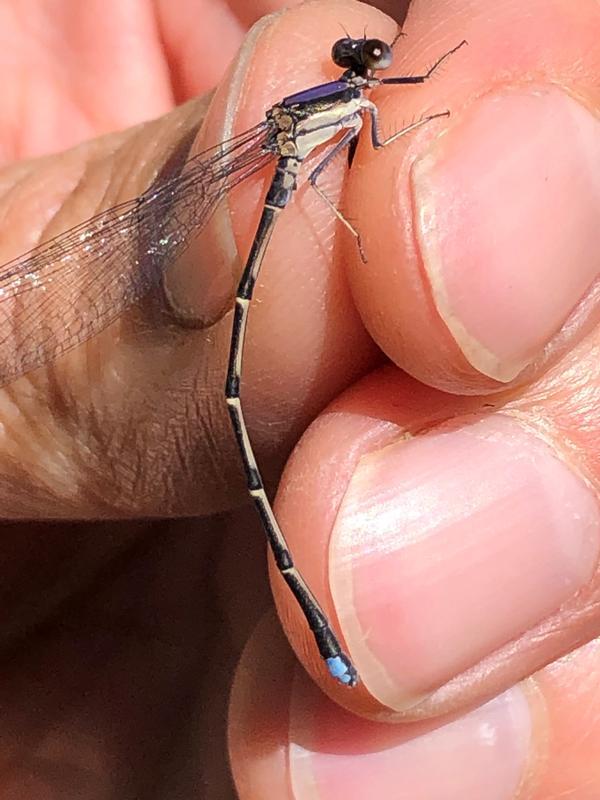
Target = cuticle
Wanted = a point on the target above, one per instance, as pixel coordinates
(539, 746)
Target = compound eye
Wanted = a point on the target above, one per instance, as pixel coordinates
(343, 53)
(376, 54)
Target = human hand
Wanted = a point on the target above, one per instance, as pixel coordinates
(80, 428)
(455, 537)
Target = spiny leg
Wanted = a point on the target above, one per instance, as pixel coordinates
(409, 79)
(377, 142)
(344, 142)
(338, 663)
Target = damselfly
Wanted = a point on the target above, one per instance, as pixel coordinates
(120, 254)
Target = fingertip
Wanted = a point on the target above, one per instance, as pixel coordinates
(392, 297)
(258, 723)
(291, 742)
(483, 323)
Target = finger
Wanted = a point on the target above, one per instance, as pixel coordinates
(537, 740)
(72, 71)
(127, 424)
(477, 275)
(316, 569)
(105, 65)
(454, 543)
(396, 9)
(199, 54)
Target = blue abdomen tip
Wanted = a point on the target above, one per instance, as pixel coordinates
(339, 669)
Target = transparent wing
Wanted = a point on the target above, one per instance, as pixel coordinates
(68, 289)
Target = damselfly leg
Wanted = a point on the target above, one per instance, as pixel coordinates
(377, 142)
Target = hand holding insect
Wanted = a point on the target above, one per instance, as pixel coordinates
(117, 427)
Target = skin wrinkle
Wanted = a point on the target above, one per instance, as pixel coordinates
(101, 446)
(158, 478)
(33, 472)
(115, 446)
(209, 425)
(11, 196)
(572, 395)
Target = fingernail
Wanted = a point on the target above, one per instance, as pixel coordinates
(507, 205)
(335, 754)
(450, 545)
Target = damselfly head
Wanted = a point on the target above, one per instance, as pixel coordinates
(361, 55)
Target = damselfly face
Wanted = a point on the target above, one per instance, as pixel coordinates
(362, 56)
